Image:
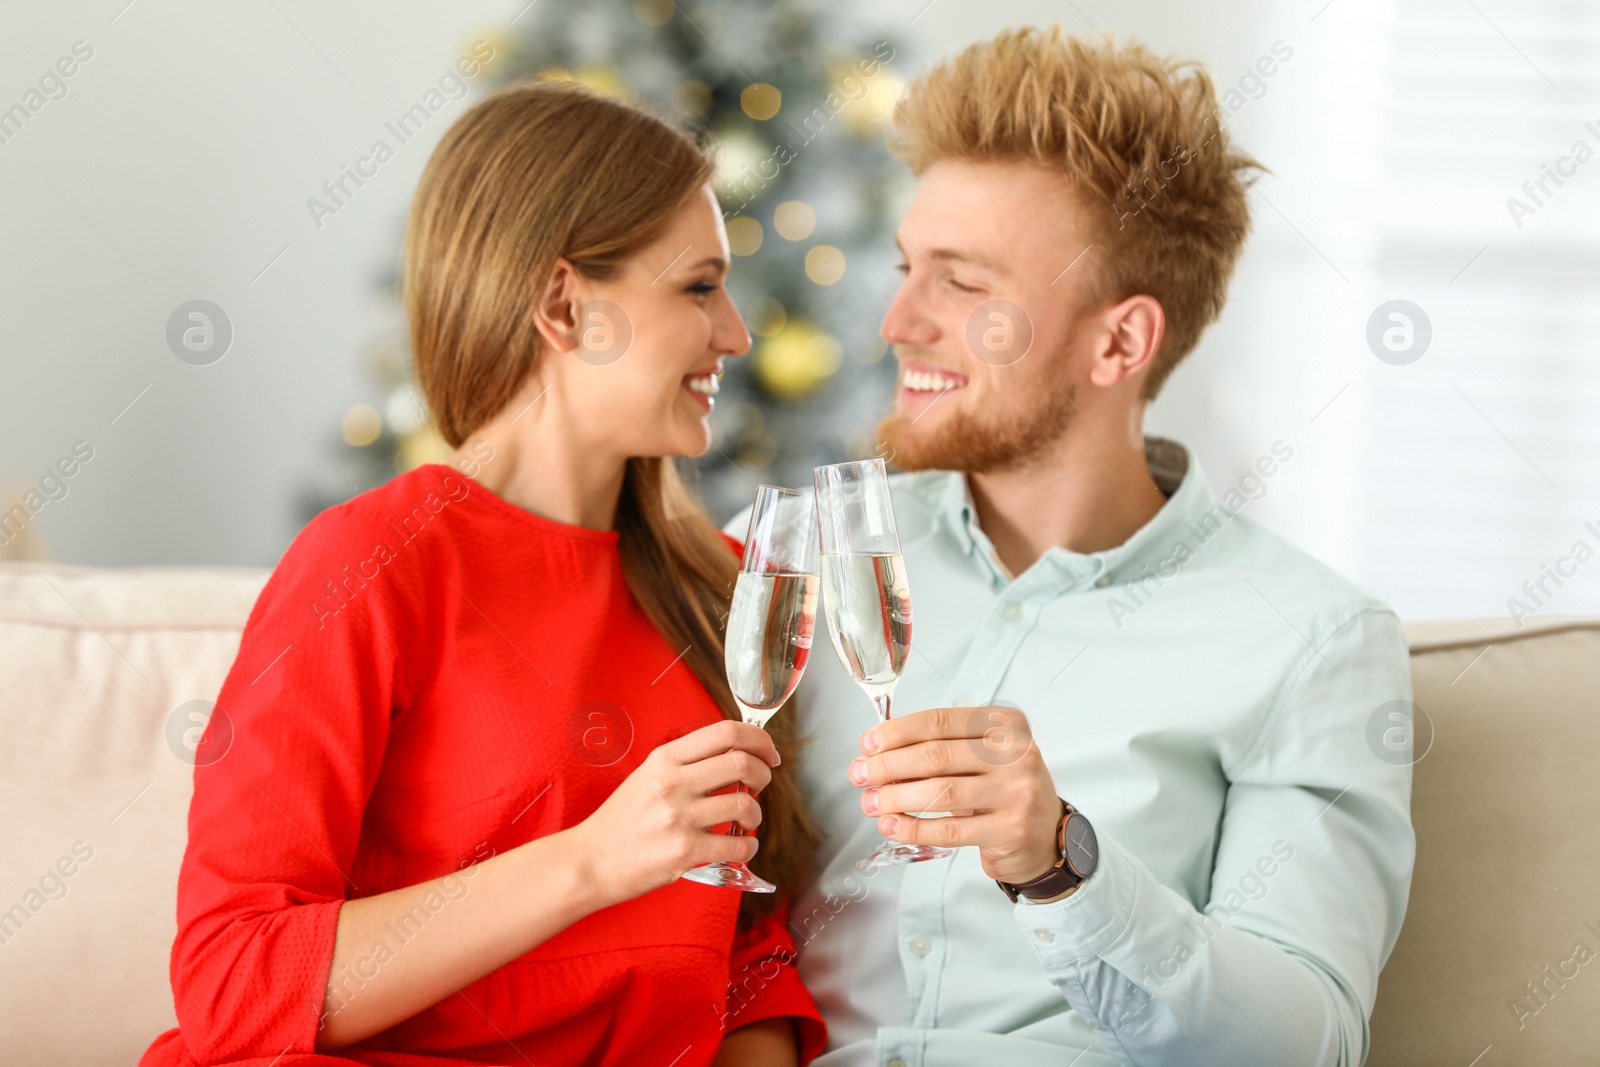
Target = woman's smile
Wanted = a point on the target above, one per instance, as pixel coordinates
(704, 385)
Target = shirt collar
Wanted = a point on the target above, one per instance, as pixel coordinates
(1176, 473)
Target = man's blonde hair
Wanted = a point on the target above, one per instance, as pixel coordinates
(1138, 137)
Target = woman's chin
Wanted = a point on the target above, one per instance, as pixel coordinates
(698, 447)
(681, 441)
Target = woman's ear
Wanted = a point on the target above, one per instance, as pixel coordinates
(556, 307)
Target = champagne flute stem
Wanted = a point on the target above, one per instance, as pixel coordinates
(737, 828)
(880, 701)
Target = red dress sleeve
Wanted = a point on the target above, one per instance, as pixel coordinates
(764, 984)
(282, 776)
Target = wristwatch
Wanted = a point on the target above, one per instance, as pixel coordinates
(1079, 853)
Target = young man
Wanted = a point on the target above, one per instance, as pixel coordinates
(1094, 625)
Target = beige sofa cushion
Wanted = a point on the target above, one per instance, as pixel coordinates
(93, 663)
(1506, 803)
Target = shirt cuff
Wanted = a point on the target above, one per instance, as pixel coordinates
(1089, 921)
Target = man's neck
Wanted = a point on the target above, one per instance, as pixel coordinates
(1089, 491)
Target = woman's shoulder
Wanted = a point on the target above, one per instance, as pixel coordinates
(366, 548)
(397, 512)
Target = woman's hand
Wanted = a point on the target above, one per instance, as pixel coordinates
(657, 824)
(652, 829)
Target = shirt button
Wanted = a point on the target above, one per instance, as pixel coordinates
(1011, 611)
(921, 946)
(1095, 1026)
(1044, 935)
(1102, 581)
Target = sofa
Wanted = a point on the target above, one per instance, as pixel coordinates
(106, 676)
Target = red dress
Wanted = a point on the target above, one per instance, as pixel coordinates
(430, 677)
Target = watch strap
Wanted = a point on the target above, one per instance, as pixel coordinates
(1055, 881)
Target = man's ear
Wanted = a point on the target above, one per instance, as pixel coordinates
(556, 307)
(1131, 333)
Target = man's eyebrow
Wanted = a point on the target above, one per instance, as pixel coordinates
(958, 254)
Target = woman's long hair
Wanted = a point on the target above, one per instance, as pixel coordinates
(534, 172)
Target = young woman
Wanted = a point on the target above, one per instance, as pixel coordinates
(478, 720)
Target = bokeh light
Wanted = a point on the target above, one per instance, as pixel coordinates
(794, 219)
(744, 236)
(361, 425)
(761, 101)
(824, 264)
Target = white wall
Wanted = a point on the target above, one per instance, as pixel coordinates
(192, 139)
(190, 143)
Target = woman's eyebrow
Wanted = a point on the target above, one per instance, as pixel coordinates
(714, 262)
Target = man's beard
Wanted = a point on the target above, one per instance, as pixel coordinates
(966, 442)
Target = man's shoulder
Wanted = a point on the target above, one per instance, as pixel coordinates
(1305, 590)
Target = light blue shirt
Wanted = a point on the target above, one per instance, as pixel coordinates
(1220, 706)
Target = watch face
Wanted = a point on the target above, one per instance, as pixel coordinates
(1083, 849)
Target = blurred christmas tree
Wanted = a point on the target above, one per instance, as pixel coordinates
(797, 111)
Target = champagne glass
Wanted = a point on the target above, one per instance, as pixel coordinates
(867, 601)
(769, 631)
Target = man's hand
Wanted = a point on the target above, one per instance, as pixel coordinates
(982, 766)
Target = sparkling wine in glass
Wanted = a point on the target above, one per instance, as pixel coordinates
(769, 632)
(867, 600)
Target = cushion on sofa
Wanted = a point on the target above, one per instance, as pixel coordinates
(1506, 803)
(97, 671)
